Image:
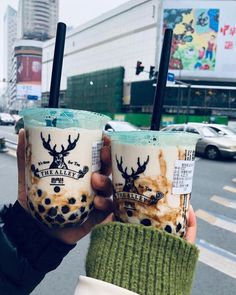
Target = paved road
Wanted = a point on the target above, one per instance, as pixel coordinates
(214, 200)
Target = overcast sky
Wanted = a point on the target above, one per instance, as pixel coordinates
(72, 12)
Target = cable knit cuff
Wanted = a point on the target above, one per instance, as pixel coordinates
(141, 259)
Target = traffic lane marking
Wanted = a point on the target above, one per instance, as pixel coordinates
(230, 189)
(217, 220)
(223, 201)
(217, 258)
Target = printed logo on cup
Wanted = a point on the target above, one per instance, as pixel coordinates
(130, 191)
(58, 169)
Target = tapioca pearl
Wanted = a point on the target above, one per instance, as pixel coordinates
(41, 209)
(118, 218)
(39, 193)
(52, 212)
(82, 209)
(47, 201)
(57, 189)
(33, 168)
(72, 201)
(182, 233)
(129, 213)
(84, 215)
(168, 229)
(146, 222)
(83, 198)
(37, 216)
(59, 218)
(178, 227)
(49, 219)
(31, 206)
(65, 209)
(72, 217)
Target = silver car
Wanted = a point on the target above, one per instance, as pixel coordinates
(211, 144)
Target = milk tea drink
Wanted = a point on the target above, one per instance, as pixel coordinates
(152, 176)
(62, 150)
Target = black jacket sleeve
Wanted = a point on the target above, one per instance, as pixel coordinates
(27, 253)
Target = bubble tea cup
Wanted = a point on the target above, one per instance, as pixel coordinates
(152, 175)
(62, 150)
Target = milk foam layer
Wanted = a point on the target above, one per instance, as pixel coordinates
(58, 173)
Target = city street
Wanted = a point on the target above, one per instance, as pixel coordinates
(214, 201)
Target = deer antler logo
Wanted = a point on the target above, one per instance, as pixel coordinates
(130, 178)
(58, 157)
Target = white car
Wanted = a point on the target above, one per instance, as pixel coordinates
(223, 130)
(119, 126)
(6, 119)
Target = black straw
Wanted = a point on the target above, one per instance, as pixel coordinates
(161, 80)
(57, 66)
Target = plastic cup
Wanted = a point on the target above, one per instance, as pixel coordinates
(152, 175)
(62, 150)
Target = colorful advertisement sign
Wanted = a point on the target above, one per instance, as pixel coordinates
(29, 71)
(204, 38)
(28, 91)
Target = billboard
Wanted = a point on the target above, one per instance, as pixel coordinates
(28, 78)
(28, 91)
(204, 38)
(29, 69)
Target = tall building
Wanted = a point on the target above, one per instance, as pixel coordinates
(37, 19)
(10, 24)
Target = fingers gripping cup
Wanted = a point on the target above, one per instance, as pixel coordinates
(62, 150)
(152, 177)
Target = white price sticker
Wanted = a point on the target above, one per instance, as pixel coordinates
(183, 177)
(96, 161)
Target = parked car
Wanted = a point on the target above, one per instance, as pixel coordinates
(119, 126)
(223, 130)
(6, 119)
(15, 117)
(211, 144)
(18, 125)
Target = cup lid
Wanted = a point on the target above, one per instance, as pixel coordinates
(154, 138)
(63, 118)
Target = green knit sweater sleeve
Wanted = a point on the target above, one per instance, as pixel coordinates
(141, 259)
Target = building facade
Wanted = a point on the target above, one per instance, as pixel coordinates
(134, 32)
(10, 24)
(37, 19)
(25, 86)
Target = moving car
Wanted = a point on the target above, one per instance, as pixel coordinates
(119, 126)
(211, 144)
(6, 119)
(223, 130)
(18, 125)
